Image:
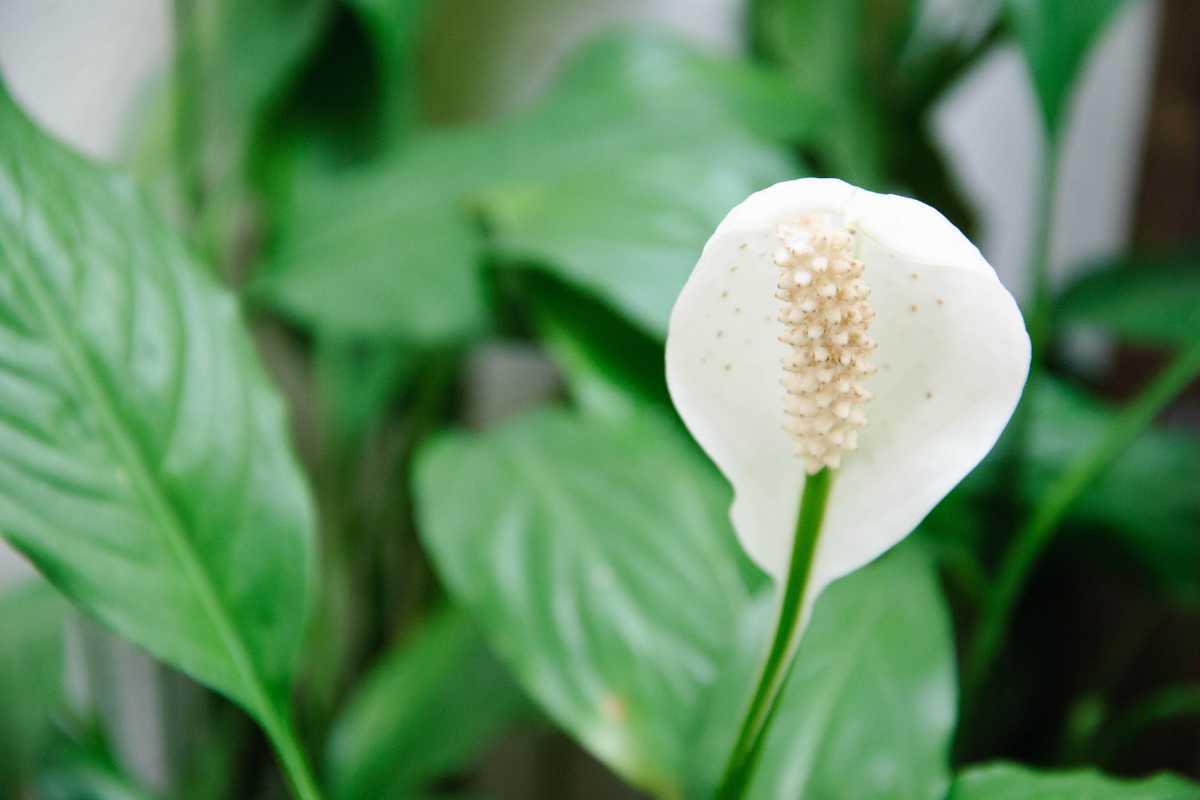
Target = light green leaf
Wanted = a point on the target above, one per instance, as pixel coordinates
(614, 181)
(1153, 301)
(427, 709)
(1012, 782)
(869, 709)
(1056, 37)
(144, 461)
(599, 561)
(359, 255)
(32, 617)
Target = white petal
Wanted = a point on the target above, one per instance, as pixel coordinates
(952, 354)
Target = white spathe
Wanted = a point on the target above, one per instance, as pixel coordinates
(952, 356)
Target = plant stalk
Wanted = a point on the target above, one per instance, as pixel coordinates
(1034, 536)
(291, 755)
(757, 718)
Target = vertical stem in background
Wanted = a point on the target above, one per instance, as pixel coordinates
(756, 721)
(1032, 539)
(1040, 317)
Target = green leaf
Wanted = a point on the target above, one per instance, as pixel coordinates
(32, 617)
(1152, 301)
(821, 45)
(1056, 37)
(144, 461)
(1012, 782)
(599, 561)
(944, 37)
(1143, 500)
(614, 181)
(357, 380)
(395, 27)
(78, 772)
(869, 709)
(611, 369)
(432, 704)
(360, 256)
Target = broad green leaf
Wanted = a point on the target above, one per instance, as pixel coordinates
(599, 562)
(430, 706)
(1012, 782)
(32, 617)
(144, 461)
(1154, 301)
(1056, 37)
(869, 709)
(1146, 500)
(614, 180)
(360, 256)
(611, 369)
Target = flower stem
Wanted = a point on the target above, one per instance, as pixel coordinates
(291, 755)
(757, 719)
(1032, 539)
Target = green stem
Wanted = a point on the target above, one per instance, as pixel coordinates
(1032, 539)
(756, 721)
(1040, 317)
(291, 755)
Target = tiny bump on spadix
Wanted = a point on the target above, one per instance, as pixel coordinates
(825, 315)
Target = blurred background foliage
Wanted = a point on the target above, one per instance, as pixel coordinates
(525, 583)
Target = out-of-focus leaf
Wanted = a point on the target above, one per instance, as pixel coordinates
(1056, 37)
(611, 369)
(869, 709)
(615, 181)
(820, 43)
(599, 561)
(1151, 301)
(943, 37)
(31, 671)
(357, 380)
(75, 772)
(1013, 782)
(427, 709)
(1147, 499)
(395, 27)
(234, 61)
(144, 461)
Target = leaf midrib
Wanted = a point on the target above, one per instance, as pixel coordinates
(151, 494)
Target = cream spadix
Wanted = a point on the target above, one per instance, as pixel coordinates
(826, 326)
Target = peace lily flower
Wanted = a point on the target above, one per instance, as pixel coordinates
(846, 346)
(828, 326)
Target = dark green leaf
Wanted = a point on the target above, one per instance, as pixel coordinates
(144, 462)
(433, 703)
(31, 673)
(1056, 37)
(1147, 499)
(599, 561)
(1012, 782)
(1154, 301)
(395, 27)
(944, 37)
(611, 369)
(869, 709)
(821, 45)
